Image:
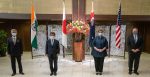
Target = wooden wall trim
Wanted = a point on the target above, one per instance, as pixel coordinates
(58, 17)
(127, 18)
(50, 17)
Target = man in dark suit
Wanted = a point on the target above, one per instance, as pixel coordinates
(52, 51)
(15, 51)
(135, 47)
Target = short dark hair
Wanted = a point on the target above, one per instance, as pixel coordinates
(134, 28)
(52, 33)
(100, 30)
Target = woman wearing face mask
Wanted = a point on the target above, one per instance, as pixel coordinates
(100, 45)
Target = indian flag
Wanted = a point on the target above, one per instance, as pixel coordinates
(34, 25)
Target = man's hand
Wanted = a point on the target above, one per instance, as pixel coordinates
(137, 50)
(134, 50)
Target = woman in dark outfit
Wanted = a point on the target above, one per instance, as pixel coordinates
(100, 45)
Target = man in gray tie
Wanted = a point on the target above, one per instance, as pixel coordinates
(135, 47)
(15, 51)
(52, 50)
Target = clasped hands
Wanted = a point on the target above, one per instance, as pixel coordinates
(100, 50)
(135, 50)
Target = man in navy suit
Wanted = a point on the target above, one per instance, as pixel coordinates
(15, 51)
(135, 47)
(52, 51)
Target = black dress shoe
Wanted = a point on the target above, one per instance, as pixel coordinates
(100, 73)
(51, 74)
(97, 73)
(22, 73)
(130, 73)
(55, 74)
(13, 74)
(136, 73)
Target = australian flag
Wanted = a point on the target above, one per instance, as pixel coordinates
(92, 28)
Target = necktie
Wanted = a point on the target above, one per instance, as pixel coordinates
(135, 38)
(14, 40)
(52, 41)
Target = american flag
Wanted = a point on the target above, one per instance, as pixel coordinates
(92, 27)
(118, 28)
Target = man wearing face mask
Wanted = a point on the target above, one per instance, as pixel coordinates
(99, 51)
(135, 47)
(52, 51)
(15, 51)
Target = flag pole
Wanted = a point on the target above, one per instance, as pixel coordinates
(63, 16)
(90, 23)
(126, 30)
(32, 7)
(109, 39)
(63, 48)
(30, 31)
(31, 46)
(120, 3)
(92, 5)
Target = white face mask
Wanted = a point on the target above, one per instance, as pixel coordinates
(52, 37)
(100, 34)
(13, 34)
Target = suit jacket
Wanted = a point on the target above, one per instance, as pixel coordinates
(99, 42)
(52, 49)
(15, 49)
(135, 45)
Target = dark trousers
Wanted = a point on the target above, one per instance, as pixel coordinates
(13, 63)
(134, 59)
(53, 63)
(99, 61)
